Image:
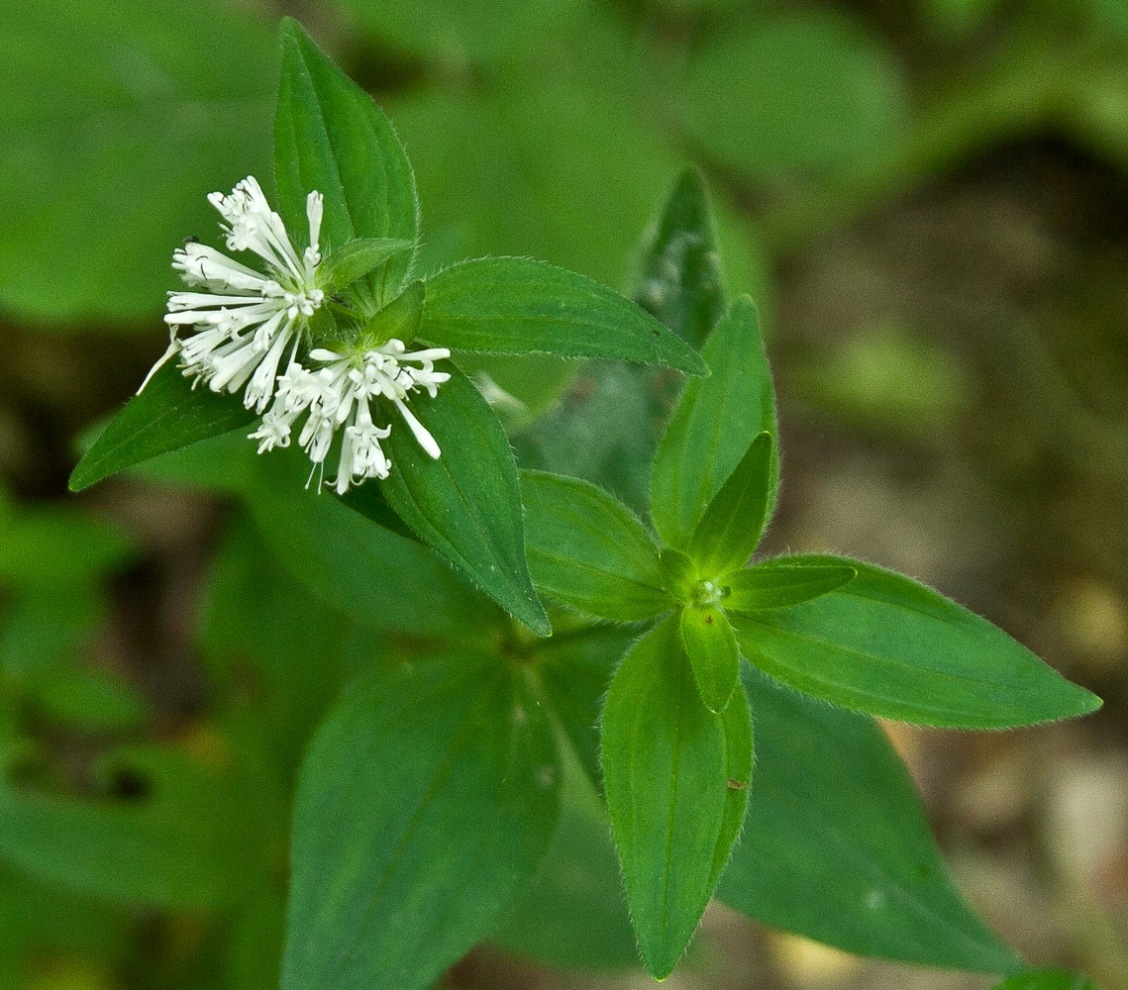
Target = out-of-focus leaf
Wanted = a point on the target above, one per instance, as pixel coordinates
(44, 547)
(43, 628)
(1048, 979)
(91, 700)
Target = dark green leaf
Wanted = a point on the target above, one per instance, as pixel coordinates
(466, 505)
(518, 306)
(588, 551)
(427, 799)
(836, 846)
(779, 583)
(1048, 979)
(356, 258)
(731, 526)
(715, 422)
(886, 645)
(711, 647)
(676, 777)
(167, 415)
(329, 136)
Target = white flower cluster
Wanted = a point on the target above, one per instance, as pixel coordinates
(245, 321)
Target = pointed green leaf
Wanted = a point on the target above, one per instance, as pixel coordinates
(588, 551)
(836, 845)
(715, 422)
(886, 645)
(679, 575)
(329, 136)
(356, 258)
(518, 306)
(676, 777)
(780, 582)
(711, 647)
(1048, 979)
(167, 415)
(399, 319)
(731, 527)
(466, 505)
(426, 801)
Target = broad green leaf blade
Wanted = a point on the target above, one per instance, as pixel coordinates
(518, 306)
(167, 415)
(711, 647)
(466, 505)
(781, 582)
(330, 136)
(715, 422)
(885, 645)
(588, 551)
(836, 846)
(426, 801)
(1048, 979)
(679, 279)
(356, 258)
(731, 527)
(668, 764)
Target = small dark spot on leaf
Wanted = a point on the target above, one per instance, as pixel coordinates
(736, 785)
(708, 620)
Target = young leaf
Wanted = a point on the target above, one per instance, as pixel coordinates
(1048, 979)
(885, 645)
(426, 801)
(715, 422)
(329, 136)
(679, 575)
(167, 415)
(836, 845)
(676, 777)
(780, 582)
(400, 318)
(711, 647)
(518, 306)
(356, 258)
(588, 551)
(466, 505)
(731, 527)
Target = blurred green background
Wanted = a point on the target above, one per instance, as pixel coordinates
(928, 200)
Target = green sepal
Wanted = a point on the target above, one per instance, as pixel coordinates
(713, 654)
(357, 258)
(167, 415)
(732, 525)
(780, 583)
(588, 551)
(519, 306)
(399, 319)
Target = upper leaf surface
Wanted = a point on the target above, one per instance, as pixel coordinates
(715, 422)
(1048, 979)
(711, 647)
(518, 306)
(886, 645)
(781, 582)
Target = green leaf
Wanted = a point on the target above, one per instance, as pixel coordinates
(518, 306)
(781, 582)
(167, 415)
(399, 319)
(427, 799)
(330, 136)
(711, 647)
(44, 547)
(676, 777)
(886, 645)
(1048, 979)
(680, 576)
(836, 845)
(715, 422)
(731, 527)
(588, 551)
(466, 505)
(356, 258)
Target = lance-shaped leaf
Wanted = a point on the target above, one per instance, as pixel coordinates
(466, 504)
(731, 527)
(518, 306)
(836, 846)
(1048, 979)
(426, 801)
(329, 136)
(885, 645)
(357, 258)
(715, 422)
(711, 647)
(781, 582)
(589, 551)
(167, 415)
(676, 777)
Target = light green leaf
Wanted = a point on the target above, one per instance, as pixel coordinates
(781, 582)
(167, 415)
(356, 258)
(715, 422)
(711, 647)
(836, 846)
(588, 551)
(435, 778)
(731, 526)
(43, 547)
(329, 136)
(679, 573)
(1048, 979)
(885, 645)
(676, 777)
(466, 505)
(518, 306)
